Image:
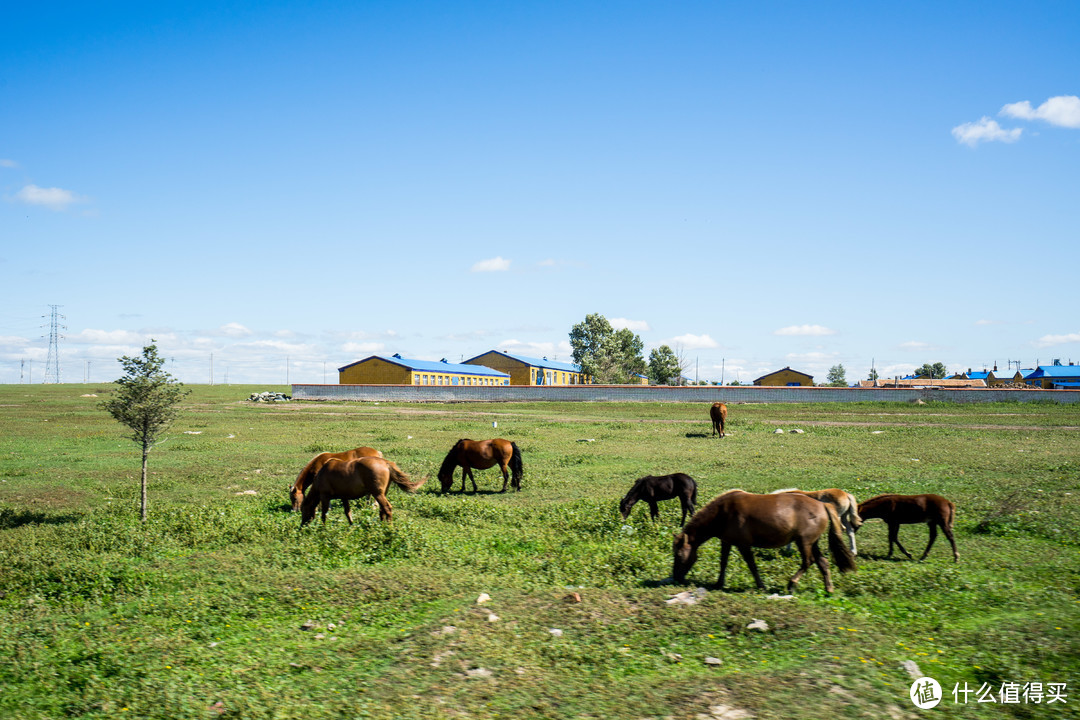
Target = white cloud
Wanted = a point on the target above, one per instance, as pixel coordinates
(1063, 111)
(110, 337)
(53, 198)
(552, 351)
(4, 162)
(985, 130)
(495, 264)
(234, 330)
(623, 323)
(915, 345)
(691, 342)
(809, 330)
(1049, 340)
(810, 356)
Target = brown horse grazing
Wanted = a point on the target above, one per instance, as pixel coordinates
(846, 507)
(652, 489)
(897, 510)
(718, 414)
(746, 521)
(347, 480)
(303, 480)
(481, 455)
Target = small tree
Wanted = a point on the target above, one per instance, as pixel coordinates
(606, 355)
(146, 402)
(935, 371)
(873, 375)
(837, 376)
(664, 366)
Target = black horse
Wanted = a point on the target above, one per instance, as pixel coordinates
(652, 489)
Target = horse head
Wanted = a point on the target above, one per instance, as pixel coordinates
(684, 556)
(627, 504)
(296, 496)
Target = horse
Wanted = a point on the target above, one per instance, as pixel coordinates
(303, 480)
(351, 479)
(897, 510)
(746, 521)
(481, 455)
(652, 489)
(846, 507)
(718, 414)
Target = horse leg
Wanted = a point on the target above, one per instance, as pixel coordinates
(748, 555)
(823, 565)
(851, 534)
(725, 553)
(654, 510)
(348, 510)
(894, 537)
(805, 550)
(506, 476)
(325, 507)
(948, 533)
(687, 507)
(386, 511)
(933, 536)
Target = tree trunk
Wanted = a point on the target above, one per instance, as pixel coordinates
(142, 504)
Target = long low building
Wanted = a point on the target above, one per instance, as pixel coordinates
(531, 371)
(396, 370)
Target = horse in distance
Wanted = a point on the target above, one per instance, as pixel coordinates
(481, 455)
(347, 480)
(303, 480)
(652, 489)
(718, 415)
(747, 520)
(846, 507)
(897, 510)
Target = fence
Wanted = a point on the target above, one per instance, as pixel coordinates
(691, 393)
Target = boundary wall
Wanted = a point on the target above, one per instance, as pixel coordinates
(655, 393)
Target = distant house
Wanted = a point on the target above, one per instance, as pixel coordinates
(925, 382)
(1055, 377)
(531, 371)
(396, 370)
(785, 377)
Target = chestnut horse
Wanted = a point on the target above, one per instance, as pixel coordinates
(347, 480)
(652, 488)
(846, 507)
(303, 480)
(481, 455)
(746, 521)
(718, 414)
(897, 510)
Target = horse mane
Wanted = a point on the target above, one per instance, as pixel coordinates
(706, 515)
(784, 490)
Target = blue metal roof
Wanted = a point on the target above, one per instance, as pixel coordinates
(981, 375)
(1055, 371)
(433, 366)
(537, 362)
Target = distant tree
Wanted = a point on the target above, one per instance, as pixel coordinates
(873, 375)
(607, 355)
(935, 371)
(146, 401)
(837, 376)
(663, 366)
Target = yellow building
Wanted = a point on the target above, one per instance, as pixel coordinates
(396, 370)
(785, 377)
(531, 371)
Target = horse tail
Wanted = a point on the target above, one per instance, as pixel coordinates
(400, 479)
(516, 466)
(856, 519)
(841, 553)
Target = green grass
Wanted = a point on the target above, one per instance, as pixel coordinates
(202, 611)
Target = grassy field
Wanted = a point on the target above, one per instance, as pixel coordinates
(220, 606)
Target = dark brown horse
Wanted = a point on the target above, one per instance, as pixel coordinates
(746, 521)
(718, 414)
(482, 454)
(651, 489)
(897, 510)
(303, 480)
(347, 480)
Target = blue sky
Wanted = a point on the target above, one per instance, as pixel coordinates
(290, 187)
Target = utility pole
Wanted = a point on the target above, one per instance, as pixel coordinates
(52, 363)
